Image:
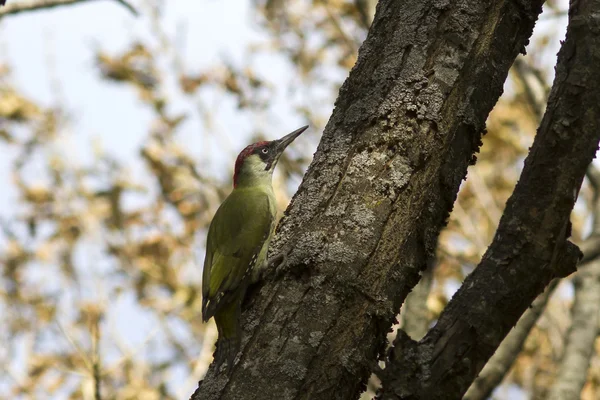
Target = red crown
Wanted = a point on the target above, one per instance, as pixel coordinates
(242, 157)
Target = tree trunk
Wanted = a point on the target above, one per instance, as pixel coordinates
(530, 246)
(367, 215)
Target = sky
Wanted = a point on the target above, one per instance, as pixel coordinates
(52, 58)
(65, 39)
(51, 55)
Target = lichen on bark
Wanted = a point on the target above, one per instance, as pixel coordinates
(365, 220)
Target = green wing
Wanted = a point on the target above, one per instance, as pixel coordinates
(235, 237)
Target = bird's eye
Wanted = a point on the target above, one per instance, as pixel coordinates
(265, 150)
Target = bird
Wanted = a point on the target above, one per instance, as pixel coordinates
(238, 240)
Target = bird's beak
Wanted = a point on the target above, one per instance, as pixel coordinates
(289, 138)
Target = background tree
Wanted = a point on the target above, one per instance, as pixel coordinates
(87, 245)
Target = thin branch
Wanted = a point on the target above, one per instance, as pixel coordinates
(366, 10)
(37, 5)
(96, 372)
(579, 347)
(76, 346)
(334, 18)
(414, 313)
(468, 226)
(484, 196)
(534, 86)
(127, 353)
(593, 175)
(497, 367)
(129, 7)
(590, 249)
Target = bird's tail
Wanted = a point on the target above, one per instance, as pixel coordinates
(228, 325)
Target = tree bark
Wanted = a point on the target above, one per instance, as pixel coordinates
(498, 366)
(579, 348)
(367, 215)
(585, 313)
(530, 246)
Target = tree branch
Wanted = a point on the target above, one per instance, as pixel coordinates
(530, 246)
(496, 368)
(579, 348)
(590, 249)
(536, 92)
(366, 218)
(415, 314)
(535, 88)
(36, 5)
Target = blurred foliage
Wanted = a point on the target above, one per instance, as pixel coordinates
(84, 238)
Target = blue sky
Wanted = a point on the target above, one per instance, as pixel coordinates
(51, 56)
(65, 39)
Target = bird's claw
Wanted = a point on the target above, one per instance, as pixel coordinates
(277, 265)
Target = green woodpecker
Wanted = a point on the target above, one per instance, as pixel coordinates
(238, 240)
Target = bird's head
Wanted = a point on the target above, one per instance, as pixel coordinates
(255, 164)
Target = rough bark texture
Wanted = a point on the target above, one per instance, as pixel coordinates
(367, 215)
(530, 246)
(500, 363)
(585, 313)
(579, 349)
(498, 366)
(571, 376)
